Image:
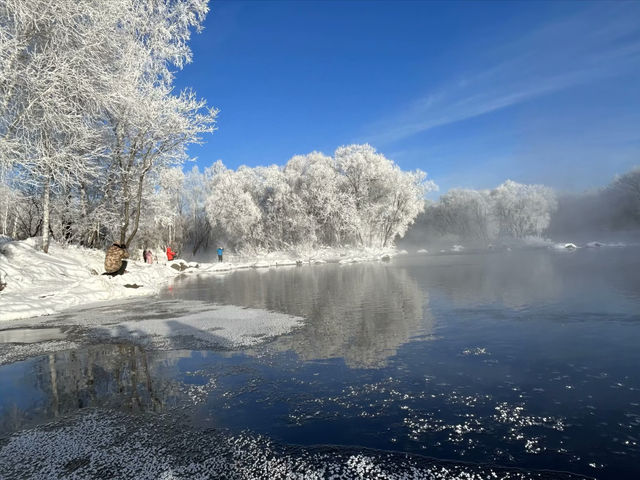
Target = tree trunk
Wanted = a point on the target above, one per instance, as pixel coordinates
(46, 198)
(14, 232)
(138, 208)
(124, 226)
(5, 219)
(86, 235)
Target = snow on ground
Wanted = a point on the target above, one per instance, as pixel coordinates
(43, 284)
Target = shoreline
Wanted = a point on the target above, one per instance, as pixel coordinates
(39, 284)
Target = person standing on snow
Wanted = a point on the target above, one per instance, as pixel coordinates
(220, 252)
(149, 257)
(114, 263)
(170, 253)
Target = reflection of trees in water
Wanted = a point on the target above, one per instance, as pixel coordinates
(364, 314)
(114, 376)
(361, 313)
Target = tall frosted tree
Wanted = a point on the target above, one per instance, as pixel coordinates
(86, 93)
(385, 199)
(53, 82)
(198, 230)
(150, 126)
(316, 182)
(151, 133)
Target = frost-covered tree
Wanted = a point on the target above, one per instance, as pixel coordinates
(232, 208)
(9, 203)
(197, 188)
(316, 182)
(614, 208)
(359, 197)
(286, 221)
(86, 98)
(171, 182)
(523, 210)
(150, 126)
(54, 74)
(466, 213)
(385, 199)
(624, 194)
(510, 210)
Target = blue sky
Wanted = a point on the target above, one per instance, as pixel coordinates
(471, 92)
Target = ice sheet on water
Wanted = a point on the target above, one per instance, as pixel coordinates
(30, 335)
(157, 325)
(14, 352)
(225, 326)
(100, 444)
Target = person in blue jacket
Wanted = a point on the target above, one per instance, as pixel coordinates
(220, 251)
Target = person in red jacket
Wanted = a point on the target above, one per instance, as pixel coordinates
(171, 254)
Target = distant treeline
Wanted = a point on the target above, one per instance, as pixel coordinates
(514, 210)
(614, 208)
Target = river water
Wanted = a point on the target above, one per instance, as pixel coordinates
(524, 359)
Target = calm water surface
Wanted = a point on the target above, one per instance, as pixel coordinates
(527, 359)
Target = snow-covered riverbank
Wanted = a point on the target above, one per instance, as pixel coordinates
(43, 284)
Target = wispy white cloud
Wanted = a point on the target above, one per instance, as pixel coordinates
(599, 42)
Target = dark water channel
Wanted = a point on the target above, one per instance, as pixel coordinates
(524, 359)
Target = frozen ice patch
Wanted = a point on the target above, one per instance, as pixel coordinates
(226, 326)
(14, 352)
(30, 335)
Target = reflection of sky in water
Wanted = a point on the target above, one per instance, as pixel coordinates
(531, 361)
